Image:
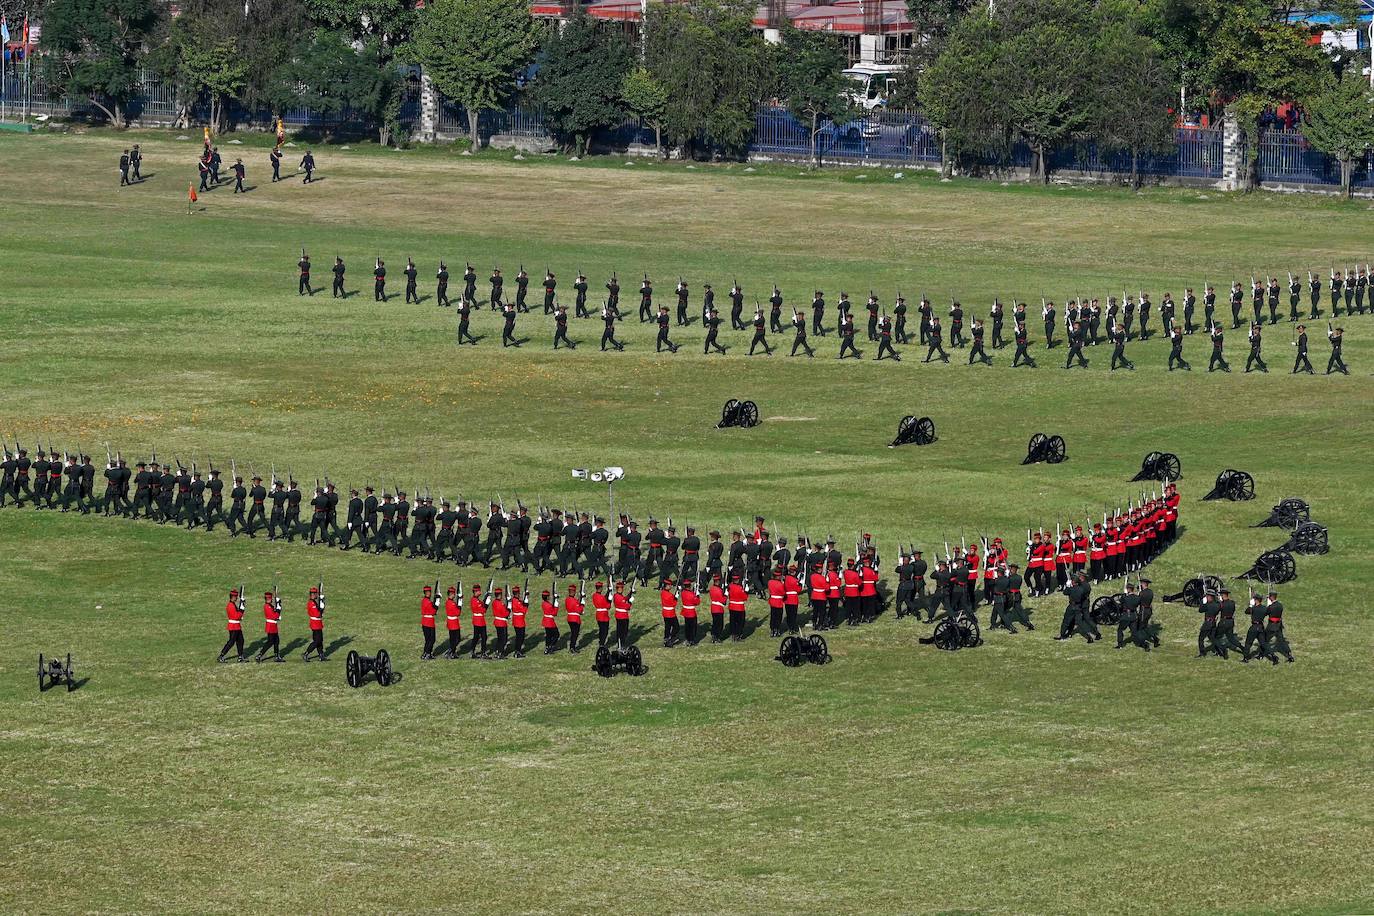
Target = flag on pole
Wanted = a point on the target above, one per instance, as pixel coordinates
(207, 135)
(4, 31)
(191, 192)
(281, 132)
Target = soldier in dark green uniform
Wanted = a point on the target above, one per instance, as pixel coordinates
(441, 291)
(339, 269)
(1256, 636)
(1016, 608)
(1076, 616)
(1207, 633)
(1335, 363)
(1255, 359)
(1129, 621)
(1273, 628)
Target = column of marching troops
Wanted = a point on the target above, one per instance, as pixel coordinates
(685, 570)
(1082, 322)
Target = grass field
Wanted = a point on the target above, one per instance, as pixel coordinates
(1025, 776)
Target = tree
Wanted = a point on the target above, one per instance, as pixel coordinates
(198, 58)
(94, 49)
(809, 65)
(580, 79)
(1256, 60)
(380, 30)
(1046, 74)
(1340, 123)
(715, 69)
(343, 81)
(647, 98)
(1133, 102)
(960, 97)
(473, 49)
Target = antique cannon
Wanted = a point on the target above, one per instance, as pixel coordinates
(1049, 449)
(54, 672)
(744, 414)
(1233, 485)
(611, 660)
(1160, 466)
(912, 431)
(1308, 539)
(1194, 589)
(798, 650)
(954, 633)
(1106, 609)
(358, 668)
(1273, 567)
(1289, 513)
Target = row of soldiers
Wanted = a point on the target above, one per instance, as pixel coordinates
(1082, 320)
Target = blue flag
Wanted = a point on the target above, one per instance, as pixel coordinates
(4, 32)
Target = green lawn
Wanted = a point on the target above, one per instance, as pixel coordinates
(1025, 776)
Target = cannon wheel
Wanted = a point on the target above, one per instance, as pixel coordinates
(727, 414)
(946, 635)
(634, 661)
(40, 672)
(969, 634)
(602, 663)
(1291, 511)
(790, 652)
(67, 674)
(1106, 609)
(1240, 487)
(1309, 539)
(1170, 468)
(1285, 568)
(1054, 449)
(820, 652)
(904, 430)
(382, 666)
(353, 669)
(749, 415)
(925, 431)
(1148, 467)
(1033, 448)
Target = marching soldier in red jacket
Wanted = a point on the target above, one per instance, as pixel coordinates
(777, 598)
(668, 602)
(819, 597)
(834, 595)
(1080, 550)
(478, 608)
(853, 585)
(572, 609)
(271, 614)
(690, 601)
(314, 615)
(621, 603)
(736, 599)
(1063, 559)
(970, 584)
(868, 591)
(718, 602)
(602, 606)
(792, 591)
(548, 610)
(1097, 555)
(453, 619)
(427, 614)
(234, 611)
(518, 611)
(500, 619)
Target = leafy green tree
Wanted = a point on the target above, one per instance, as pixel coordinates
(1340, 122)
(581, 75)
(808, 65)
(1046, 74)
(198, 58)
(343, 82)
(1133, 104)
(960, 97)
(94, 48)
(1256, 60)
(715, 68)
(934, 21)
(647, 98)
(473, 50)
